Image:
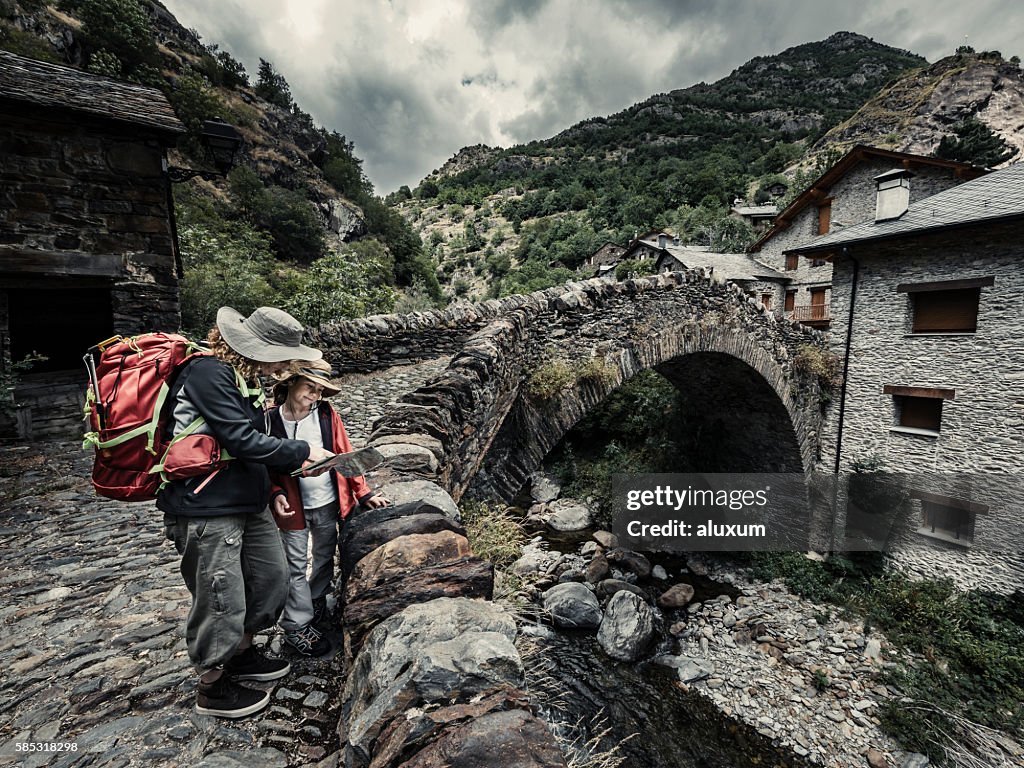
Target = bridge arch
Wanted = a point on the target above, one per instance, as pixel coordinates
(476, 425)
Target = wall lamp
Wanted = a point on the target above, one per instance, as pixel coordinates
(222, 141)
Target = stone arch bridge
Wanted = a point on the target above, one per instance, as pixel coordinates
(481, 427)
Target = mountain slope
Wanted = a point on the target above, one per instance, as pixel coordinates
(913, 114)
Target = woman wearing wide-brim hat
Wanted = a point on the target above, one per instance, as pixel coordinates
(231, 555)
(312, 507)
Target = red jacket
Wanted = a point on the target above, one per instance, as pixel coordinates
(351, 490)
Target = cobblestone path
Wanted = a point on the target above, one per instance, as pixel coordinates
(92, 653)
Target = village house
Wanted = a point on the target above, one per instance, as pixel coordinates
(764, 284)
(842, 196)
(605, 258)
(87, 238)
(927, 303)
(759, 217)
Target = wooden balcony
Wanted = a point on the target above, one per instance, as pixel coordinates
(811, 314)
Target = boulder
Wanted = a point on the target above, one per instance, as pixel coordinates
(631, 561)
(545, 487)
(514, 738)
(572, 606)
(609, 587)
(688, 668)
(597, 569)
(422, 491)
(359, 538)
(627, 628)
(606, 539)
(569, 515)
(534, 559)
(404, 555)
(676, 596)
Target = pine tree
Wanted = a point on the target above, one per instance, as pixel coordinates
(272, 86)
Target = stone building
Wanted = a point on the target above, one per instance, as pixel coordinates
(605, 258)
(842, 196)
(761, 282)
(932, 292)
(87, 239)
(759, 217)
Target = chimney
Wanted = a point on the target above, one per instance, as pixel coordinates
(893, 194)
(662, 240)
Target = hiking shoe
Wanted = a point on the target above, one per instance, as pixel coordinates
(226, 698)
(319, 610)
(254, 664)
(309, 641)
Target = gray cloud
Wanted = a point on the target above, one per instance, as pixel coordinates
(412, 82)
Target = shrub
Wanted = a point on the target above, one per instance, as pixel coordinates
(340, 286)
(824, 365)
(549, 379)
(494, 533)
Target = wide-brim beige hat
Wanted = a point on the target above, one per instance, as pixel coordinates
(317, 371)
(268, 335)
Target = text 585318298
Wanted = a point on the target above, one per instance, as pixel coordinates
(46, 746)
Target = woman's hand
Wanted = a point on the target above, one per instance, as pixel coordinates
(315, 455)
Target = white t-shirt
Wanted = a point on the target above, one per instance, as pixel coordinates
(316, 491)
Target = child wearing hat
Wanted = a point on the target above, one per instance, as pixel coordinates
(307, 507)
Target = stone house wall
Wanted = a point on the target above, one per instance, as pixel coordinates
(982, 428)
(853, 202)
(86, 242)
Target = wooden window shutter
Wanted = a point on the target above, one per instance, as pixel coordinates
(818, 297)
(792, 261)
(921, 412)
(824, 218)
(946, 311)
(790, 300)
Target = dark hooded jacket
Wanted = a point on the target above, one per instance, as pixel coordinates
(208, 387)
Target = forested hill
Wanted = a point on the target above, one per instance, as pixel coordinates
(608, 177)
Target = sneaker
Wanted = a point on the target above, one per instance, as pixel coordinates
(319, 610)
(226, 698)
(309, 641)
(254, 664)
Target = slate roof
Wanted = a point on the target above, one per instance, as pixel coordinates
(730, 266)
(756, 210)
(54, 86)
(999, 195)
(820, 186)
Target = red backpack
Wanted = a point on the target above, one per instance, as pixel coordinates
(128, 389)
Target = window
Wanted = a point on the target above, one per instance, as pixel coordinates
(790, 300)
(766, 301)
(824, 217)
(945, 307)
(792, 261)
(818, 262)
(947, 518)
(918, 408)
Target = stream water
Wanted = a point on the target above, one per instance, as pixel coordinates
(655, 720)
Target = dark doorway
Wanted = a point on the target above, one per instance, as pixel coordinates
(60, 322)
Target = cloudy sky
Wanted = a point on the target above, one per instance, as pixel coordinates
(413, 81)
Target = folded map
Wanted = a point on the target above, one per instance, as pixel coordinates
(347, 464)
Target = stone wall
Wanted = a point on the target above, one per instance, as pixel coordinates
(603, 333)
(982, 428)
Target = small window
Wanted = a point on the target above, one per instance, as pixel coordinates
(790, 300)
(946, 522)
(953, 311)
(824, 218)
(919, 412)
(792, 261)
(818, 262)
(766, 301)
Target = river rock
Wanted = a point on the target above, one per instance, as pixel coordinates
(676, 596)
(627, 627)
(545, 488)
(609, 587)
(569, 515)
(573, 606)
(658, 572)
(915, 760)
(876, 759)
(873, 650)
(631, 561)
(534, 559)
(606, 539)
(688, 668)
(597, 569)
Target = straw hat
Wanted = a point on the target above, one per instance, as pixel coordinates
(316, 371)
